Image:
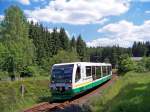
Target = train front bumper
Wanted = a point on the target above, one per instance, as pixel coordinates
(62, 95)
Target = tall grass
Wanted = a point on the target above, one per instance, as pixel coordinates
(11, 99)
(130, 93)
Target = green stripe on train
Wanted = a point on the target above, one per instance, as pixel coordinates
(69, 94)
(91, 85)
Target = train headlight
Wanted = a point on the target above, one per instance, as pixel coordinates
(52, 81)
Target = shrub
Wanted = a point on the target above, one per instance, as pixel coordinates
(147, 63)
(125, 63)
(140, 67)
(3, 75)
(30, 71)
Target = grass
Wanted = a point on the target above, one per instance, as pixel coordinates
(36, 90)
(130, 93)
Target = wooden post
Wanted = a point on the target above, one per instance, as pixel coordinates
(22, 89)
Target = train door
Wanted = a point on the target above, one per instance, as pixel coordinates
(94, 72)
(78, 74)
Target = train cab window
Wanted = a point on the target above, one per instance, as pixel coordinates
(104, 69)
(78, 74)
(98, 72)
(88, 70)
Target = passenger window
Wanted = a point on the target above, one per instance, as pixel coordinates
(109, 70)
(104, 69)
(98, 72)
(88, 70)
(78, 74)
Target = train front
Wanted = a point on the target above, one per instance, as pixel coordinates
(61, 82)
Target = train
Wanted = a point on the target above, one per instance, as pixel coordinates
(71, 79)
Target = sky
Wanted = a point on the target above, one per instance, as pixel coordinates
(100, 22)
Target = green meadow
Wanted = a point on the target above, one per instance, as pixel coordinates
(129, 93)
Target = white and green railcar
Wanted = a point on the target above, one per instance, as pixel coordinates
(70, 79)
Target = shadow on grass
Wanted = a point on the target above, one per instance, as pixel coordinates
(44, 99)
(132, 98)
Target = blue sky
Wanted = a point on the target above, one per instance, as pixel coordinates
(100, 22)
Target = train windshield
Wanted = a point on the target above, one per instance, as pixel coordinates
(62, 73)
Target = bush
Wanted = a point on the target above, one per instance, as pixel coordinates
(143, 65)
(126, 64)
(33, 70)
(3, 75)
(140, 67)
(147, 63)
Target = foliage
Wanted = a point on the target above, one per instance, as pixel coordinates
(107, 54)
(140, 67)
(143, 65)
(18, 49)
(128, 94)
(28, 46)
(33, 70)
(126, 64)
(61, 57)
(140, 49)
(81, 48)
(3, 75)
(147, 63)
(73, 43)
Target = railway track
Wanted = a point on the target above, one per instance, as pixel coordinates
(49, 107)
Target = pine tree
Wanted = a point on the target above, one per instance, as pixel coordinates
(55, 42)
(81, 48)
(73, 43)
(64, 41)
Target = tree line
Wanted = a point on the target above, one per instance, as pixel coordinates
(112, 54)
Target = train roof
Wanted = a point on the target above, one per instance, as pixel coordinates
(84, 63)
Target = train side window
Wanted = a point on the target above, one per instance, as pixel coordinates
(98, 72)
(104, 70)
(109, 70)
(88, 70)
(78, 74)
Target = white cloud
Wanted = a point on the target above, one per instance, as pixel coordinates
(139, 0)
(148, 11)
(123, 33)
(78, 11)
(142, 0)
(32, 19)
(38, 0)
(24, 2)
(51, 30)
(102, 21)
(1, 17)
